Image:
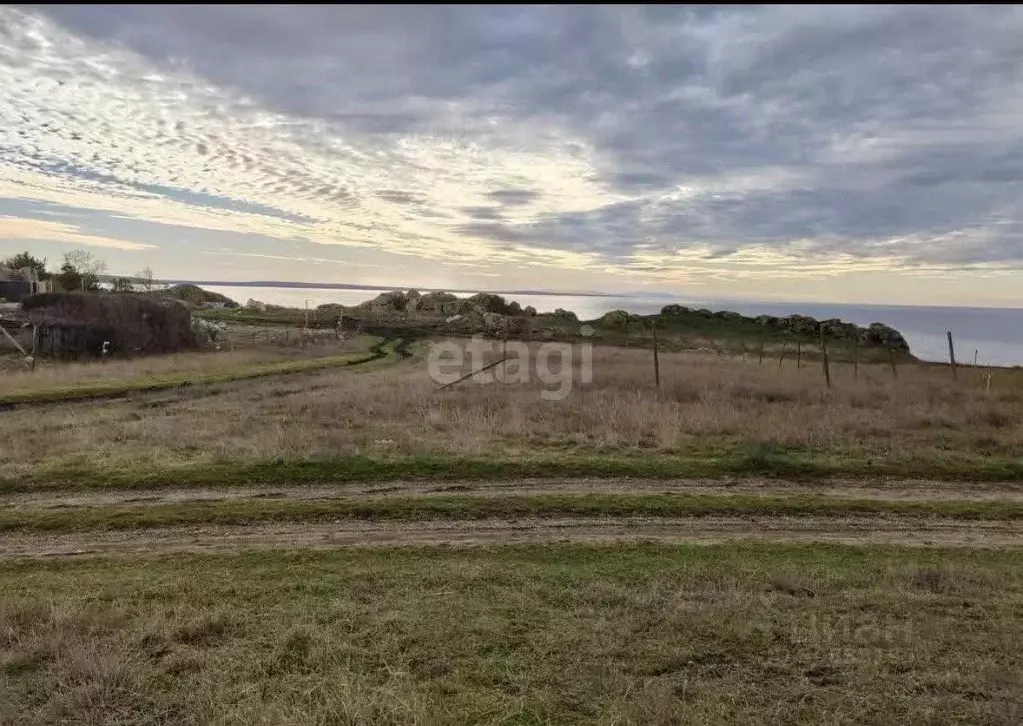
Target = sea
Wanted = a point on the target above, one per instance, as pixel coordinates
(989, 336)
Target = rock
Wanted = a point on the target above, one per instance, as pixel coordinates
(616, 319)
(881, 334)
(441, 303)
(493, 321)
(488, 302)
(800, 324)
(391, 300)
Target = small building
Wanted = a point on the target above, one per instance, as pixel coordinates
(16, 285)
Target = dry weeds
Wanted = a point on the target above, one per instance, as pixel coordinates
(55, 374)
(706, 403)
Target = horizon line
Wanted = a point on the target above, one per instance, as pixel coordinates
(672, 297)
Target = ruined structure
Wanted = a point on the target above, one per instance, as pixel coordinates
(16, 285)
(84, 325)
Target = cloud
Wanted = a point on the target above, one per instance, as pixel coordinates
(287, 258)
(645, 143)
(34, 230)
(513, 197)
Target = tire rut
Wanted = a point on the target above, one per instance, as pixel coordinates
(347, 534)
(884, 491)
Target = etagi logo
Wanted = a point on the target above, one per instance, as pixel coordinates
(446, 361)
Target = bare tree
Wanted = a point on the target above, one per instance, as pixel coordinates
(122, 284)
(145, 278)
(80, 271)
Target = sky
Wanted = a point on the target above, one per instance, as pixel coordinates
(868, 154)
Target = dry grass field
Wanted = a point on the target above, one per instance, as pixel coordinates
(355, 545)
(608, 634)
(240, 347)
(708, 407)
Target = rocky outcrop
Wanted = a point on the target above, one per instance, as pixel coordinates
(444, 304)
(434, 303)
(881, 334)
(491, 314)
(876, 334)
(197, 296)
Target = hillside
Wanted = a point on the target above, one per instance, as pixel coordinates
(440, 313)
(487, 312)
(195, 295)
(731, 325)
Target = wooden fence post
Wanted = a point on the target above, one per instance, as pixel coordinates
(781, 357)
(891, 359)
(975, 354)
(799, 354)
(761, 361)
(952, 354)
(657, 363)
(35, 343)
(504, 356)
(824, 359)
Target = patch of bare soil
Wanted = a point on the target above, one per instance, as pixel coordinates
(343, 534)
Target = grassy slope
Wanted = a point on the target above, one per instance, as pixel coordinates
(482, 507)
(162, 382)
(739, 634)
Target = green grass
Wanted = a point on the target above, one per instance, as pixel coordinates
(734, 634)
(114, 389)
(293, 317)
(744, 460)
(235, 512)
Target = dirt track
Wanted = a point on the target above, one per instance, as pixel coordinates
(901, 490)
(703, 530)
(918, 532)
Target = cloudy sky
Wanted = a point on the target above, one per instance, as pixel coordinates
(870, 153)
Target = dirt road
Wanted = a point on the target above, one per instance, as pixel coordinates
(349, 533)
(895, 490)
(343, 532)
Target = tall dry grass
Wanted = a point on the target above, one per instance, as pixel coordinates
(54, 374)
(50, 374)
(705, 402)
